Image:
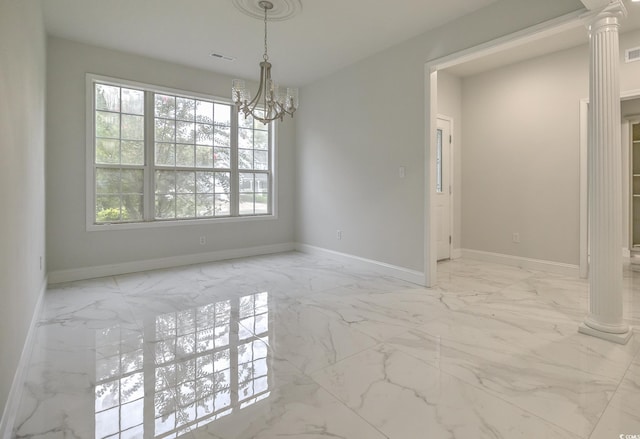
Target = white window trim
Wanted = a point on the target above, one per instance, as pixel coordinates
(91, 226)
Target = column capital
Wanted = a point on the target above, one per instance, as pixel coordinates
(605, 15)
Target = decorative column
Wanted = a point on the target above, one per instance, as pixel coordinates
(605, 187)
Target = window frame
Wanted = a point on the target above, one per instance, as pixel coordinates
(149, 168)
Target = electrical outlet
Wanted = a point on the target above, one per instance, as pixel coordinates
(402, 172)
(516, 237)
(203, 240)
(339, 234)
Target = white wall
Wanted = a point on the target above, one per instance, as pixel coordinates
(69, 245)
(521, 154)
(450, 104)
(357, 126)
(22, 223)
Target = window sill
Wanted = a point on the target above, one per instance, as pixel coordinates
(178, 223)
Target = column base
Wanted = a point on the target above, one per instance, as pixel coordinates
(616, 338)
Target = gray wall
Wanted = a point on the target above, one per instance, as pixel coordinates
(69, 245)
(520, 162)
(357, 126)
(22, 223)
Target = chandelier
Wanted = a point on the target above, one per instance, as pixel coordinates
(270, 103)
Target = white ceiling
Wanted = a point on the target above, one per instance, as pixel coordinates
(326, 36)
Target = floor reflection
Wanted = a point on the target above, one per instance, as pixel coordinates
(185, 369)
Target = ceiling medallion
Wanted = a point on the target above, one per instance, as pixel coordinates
(282, 9)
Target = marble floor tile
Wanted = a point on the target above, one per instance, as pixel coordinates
(307, 337)
(566, 382)
(406, 398)
(380, 314)
(622, 416)
(304, 346)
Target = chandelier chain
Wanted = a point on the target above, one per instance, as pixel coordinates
(265, 56)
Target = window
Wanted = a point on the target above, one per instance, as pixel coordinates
(439, 161)
(160, 155)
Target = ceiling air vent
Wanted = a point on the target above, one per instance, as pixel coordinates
(225, 57)
(631, 55)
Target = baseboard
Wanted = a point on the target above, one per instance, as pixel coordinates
(15, 393)
(526, 263)
(61, 276)
(381, 268)
(456, 253)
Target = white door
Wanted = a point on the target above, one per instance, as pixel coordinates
(443, 188)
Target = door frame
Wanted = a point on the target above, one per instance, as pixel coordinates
(452, 191)
(584, 200)
(552, 27)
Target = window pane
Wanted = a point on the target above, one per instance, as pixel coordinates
(185, 155)
(245, 122)
(107, 208)
(132, 207)
(165, 182)
(107, 151)
(439, 161)
(246, 183)
(185, 132)
(107, 125)
(245, 159)
(107, 97)
(107, 181)
(245, 138)
(204, 156)
(222, 158)
(261, 140)
(223, 114)
(132, 127)
(260, 126)
(165, 154)
(262, 203)
(222, 205)
(185, 182)
(132, 181)
(185, 206)
(204, 134)
(185, 109)
(204, 182)
(261, 183)
(132, 101)
(165, 206)
(165, 106)
(246, 204)
(165, 130)
(133, 153)
(261, 160)
(204, 112)
(204, 205)
(222, 136)
(223, 183)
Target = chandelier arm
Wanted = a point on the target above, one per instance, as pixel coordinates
(249, 108)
